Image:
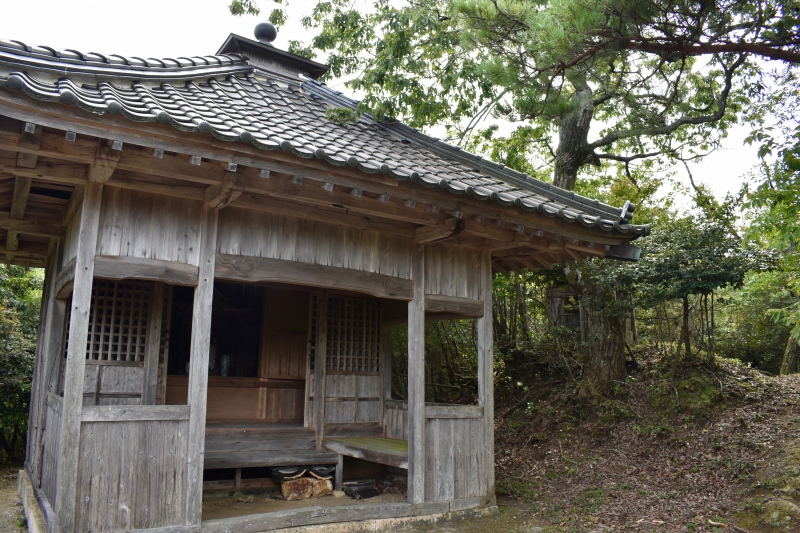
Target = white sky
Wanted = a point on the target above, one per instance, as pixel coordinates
(170, 28)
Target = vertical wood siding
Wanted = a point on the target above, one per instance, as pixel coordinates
(51, 441)
(71, 239)
(352, 398)
(254, 234)
(132, 475)
(145, 225)
(454, 459)
(452, 271)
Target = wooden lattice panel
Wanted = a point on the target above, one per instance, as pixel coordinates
(118, 320)
(312, 332)
(354, 335)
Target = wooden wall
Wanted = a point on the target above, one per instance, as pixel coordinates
(112, 382)
(256, 234)
(50, 448)
(454, 449)
(132, 475)
(71, 240)
(352, 398)
(145, 225)
(452, 271)
(454, 456)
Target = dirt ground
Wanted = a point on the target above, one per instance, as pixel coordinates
(11, 517)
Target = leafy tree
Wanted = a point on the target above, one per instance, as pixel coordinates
(20, 295)
(691, 257)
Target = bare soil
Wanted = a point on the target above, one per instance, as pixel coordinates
(11, 517)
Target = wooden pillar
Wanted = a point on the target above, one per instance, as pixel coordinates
(38, 401)
(416, 381)
(486, 370)
(153, 348)
(386, 371)
(320, 361)
(69, 454)
(198, 367)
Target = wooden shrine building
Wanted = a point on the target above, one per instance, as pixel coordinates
(222, 267)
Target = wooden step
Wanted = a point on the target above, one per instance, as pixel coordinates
(214, 460)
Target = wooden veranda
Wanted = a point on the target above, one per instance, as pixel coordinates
(222, 267)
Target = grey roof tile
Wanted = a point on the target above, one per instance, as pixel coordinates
(217, 95)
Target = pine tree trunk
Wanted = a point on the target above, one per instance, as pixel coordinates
(790, 357)
(573, 132)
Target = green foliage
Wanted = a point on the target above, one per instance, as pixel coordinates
(243, 7)
(341, 115)
(691, 256)
(20, 295)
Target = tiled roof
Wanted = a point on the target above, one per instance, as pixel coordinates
(222, 98)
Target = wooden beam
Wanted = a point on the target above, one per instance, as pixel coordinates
(32, 142)
(123, 267)
(45, 227)
(431, 234)
(320, 362)
(261, 269)
(153, 348)
(463, 307)
(75, 201)
(53, 145)
(58, 172)
(134, 413)
(486, 374)
(105, 162)
(22, 189)
(69, 452)
(198, 369)
(416, 380)
(219, 195)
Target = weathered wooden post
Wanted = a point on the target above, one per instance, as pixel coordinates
(416, 380)
(69, 452)
(198, 368)
(486, 370)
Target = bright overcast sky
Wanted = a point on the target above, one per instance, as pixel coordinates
(170, 28)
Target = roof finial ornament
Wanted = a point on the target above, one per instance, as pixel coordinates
(265, 33)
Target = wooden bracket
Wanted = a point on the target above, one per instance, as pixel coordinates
(219, 195)
(105, 162)
(430, 234)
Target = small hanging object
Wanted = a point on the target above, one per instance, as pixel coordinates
(297, 180)
(116, 145)
(458, 214)
(478, 218)
(30, 127)
(158, 153)
(327, 187)
(264, 173)
(383, 198)
(557, 237)
(519, 228)
(434, 209)
(574, 241)
(500, 223)
(71, 136)
(232, 167)
(538, 233)
(195, 160)
(410, 203)
(224, 365)
(356, 192)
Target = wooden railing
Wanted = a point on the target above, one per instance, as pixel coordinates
(132, 471)
(454, 446)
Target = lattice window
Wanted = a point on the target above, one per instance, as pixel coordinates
(354, 335)
(118, 320)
